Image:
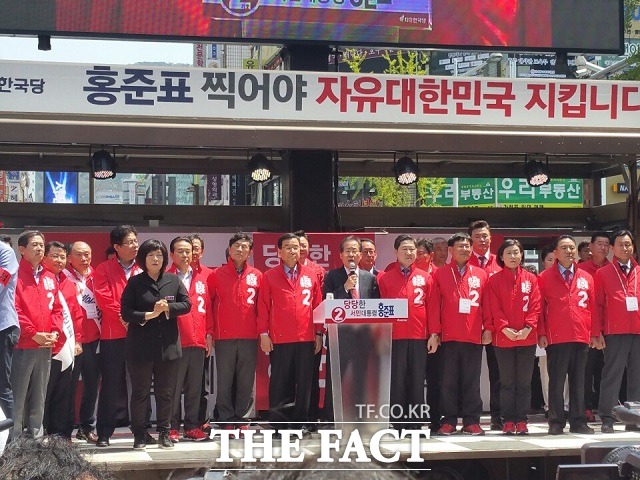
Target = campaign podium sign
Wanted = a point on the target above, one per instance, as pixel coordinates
(359, 353)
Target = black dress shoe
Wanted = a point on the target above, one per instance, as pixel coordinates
(556, 430)
(583, 429)
(102, 442)
(496, 426)
(164, 441)
(632, 427)
(87, 435)
(149, 440)
(607, 427)
(139, 443)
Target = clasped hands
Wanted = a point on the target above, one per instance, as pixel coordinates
(160, 307)
(45, 339)
(515, 335)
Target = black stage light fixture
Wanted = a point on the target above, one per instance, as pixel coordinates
(44, 42)
(537, 173)
(103, 164)
(405, 170)
(260, 167)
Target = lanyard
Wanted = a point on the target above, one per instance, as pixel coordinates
(624, 287)
(514, 291)
(455, 280)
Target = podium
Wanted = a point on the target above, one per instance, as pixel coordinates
(359, 336)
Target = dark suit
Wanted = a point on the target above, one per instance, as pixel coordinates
(349, 336)
(153, 347)
(336, 278)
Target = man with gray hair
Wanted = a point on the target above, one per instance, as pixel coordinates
(440, 251)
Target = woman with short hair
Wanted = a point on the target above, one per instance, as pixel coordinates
(151, 303)
(513, 300)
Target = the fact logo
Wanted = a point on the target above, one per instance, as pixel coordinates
(259, 446)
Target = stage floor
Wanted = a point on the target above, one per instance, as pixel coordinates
(197, 456)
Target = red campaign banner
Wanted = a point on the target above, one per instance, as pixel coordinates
(98, 241)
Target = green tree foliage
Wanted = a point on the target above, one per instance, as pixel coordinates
(353, 58)
(410, 62)
(387, 191)
(632, 73)
(630, 6)
(429, 189)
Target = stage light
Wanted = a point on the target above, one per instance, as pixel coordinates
(44, 42)
(537, 173)
(103, 164)
(405, 170)
(260, 167)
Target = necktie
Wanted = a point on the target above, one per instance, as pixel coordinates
(567, 276)
(482, 261)
(292, 276)
(354, 293)
(406, 272)
(624, 269)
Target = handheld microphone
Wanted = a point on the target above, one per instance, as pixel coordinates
(352, 268)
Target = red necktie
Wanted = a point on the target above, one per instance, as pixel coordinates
(567, 276)
(482, 261)
(354, 293)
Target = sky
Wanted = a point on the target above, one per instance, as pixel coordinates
(89, 51)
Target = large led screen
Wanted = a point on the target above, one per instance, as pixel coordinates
(61, 187)
(593, 26)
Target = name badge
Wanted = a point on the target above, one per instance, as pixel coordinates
(170, 298)
(632, 304)
(465, 305)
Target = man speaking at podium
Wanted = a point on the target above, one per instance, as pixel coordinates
(350, 281)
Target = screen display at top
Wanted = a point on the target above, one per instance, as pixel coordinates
(593, 26)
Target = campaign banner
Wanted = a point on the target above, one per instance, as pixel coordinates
(320, 98)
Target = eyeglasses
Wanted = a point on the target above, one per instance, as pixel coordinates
(130, 243)
(351, 250)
